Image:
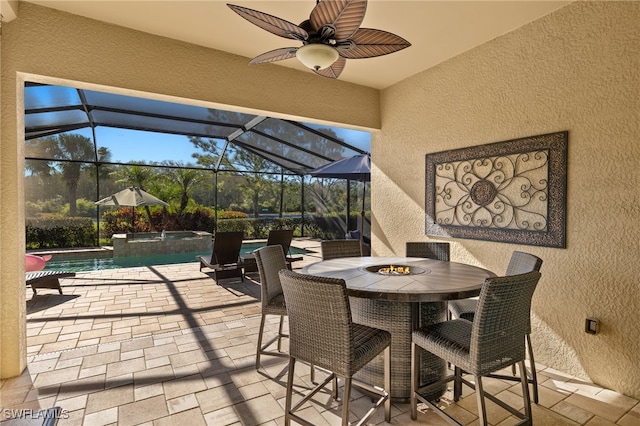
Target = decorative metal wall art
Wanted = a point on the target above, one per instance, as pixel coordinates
(512, 191)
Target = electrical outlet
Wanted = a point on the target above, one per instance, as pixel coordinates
(591, 326)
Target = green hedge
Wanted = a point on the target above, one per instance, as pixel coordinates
(60, 232)
(66, 232)
(259, 228)
(322, 227)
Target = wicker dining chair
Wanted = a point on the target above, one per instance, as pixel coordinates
(322, 333)
(519, 264)
(271, 260)
(489, 343)
(333, 249)
(428, 250)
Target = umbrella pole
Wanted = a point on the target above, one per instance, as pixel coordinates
(364, 191)
(348, 205)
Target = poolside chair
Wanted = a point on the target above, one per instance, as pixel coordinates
(333, 249)
(520, 263)
(225, 257)
(322, 332)
(47, 279)
(494, 340)
(281, 237)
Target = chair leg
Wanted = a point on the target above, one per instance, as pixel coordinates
(289, 395)
(346, 397)
(525, 390)
(280, 333)
(457, 383)
(482, 409)
(532, 366)
(262, 320)
(415, 376)
(387, 383)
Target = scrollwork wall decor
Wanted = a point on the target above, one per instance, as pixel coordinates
(512, 191)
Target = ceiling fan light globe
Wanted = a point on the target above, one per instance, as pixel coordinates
(317, 56)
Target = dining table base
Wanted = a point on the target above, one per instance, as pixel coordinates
(400, 319)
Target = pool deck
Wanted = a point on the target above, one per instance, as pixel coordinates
(164, 345)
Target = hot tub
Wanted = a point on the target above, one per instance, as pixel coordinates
(149, 243)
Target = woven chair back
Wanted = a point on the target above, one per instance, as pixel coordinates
(428, 250)
(501, 322)
(333, 249)
(320, 326)
(521, 262)
(270, 260)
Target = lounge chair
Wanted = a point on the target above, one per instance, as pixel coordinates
(282, 237)
(47, 279)
(225, 257)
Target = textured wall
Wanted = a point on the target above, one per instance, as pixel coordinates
(46, 45)
(575, 70)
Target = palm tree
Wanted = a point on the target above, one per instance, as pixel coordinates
(72, 152)
(185, 179)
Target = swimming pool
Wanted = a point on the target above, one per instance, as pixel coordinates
(59, 263)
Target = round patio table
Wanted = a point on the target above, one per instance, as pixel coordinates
(399, 302)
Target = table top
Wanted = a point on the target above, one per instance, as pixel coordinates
(429, 280)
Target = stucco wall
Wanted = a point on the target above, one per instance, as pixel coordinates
(49, 46)
(577, 70)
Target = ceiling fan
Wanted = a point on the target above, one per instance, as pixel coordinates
(330, 36)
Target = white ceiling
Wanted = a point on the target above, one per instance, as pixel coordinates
(438, 30)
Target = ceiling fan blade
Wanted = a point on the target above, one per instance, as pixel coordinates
(345, 15)
(271, 23)
(369, 43)
(334, 70)
(275, 55)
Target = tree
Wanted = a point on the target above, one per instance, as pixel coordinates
(185, 179)
(73, 152)
(256, 180)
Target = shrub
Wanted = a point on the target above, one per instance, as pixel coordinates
(232, 214)
(84, 208)
(52, 205)
(32, 209)
(59, 232)
(197, 219)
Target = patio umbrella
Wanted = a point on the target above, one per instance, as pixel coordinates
(357, 167)
(131, 197)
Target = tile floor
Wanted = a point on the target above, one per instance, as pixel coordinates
(165, 345)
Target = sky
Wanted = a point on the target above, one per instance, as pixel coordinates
(157, 147)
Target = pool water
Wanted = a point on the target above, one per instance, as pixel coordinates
(59, 263)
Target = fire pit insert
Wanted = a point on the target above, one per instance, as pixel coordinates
(396, 270)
